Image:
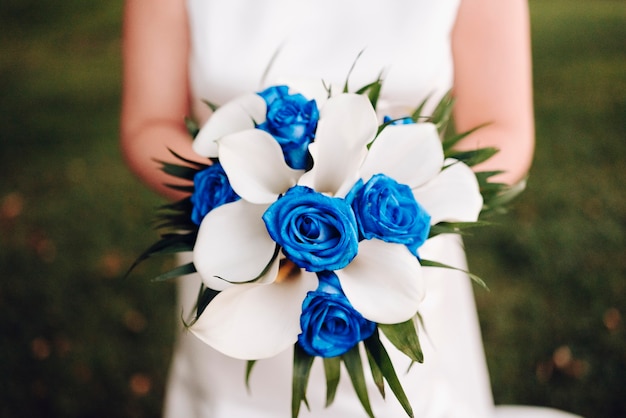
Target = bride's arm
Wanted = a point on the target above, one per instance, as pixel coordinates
(493, 82)
(155, 96)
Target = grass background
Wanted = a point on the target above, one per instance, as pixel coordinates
(78, 341)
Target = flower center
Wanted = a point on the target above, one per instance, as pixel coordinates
(287, 271)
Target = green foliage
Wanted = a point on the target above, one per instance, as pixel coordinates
(404, 337)
(332, 371)
(382, 367)
(302, 363)
(354, 366)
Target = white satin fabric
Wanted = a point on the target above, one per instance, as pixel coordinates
(408, 41)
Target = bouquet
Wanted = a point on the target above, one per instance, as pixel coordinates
(306, 224)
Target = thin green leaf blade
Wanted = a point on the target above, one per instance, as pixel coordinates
(249, 366)
(475, 278)
(332, 370)
(404, 337)
(168, 244)
(417, 113)
(179, 171)
(377, 352)
(352, 360)
(183, 270)
(473, 157)
(450, 141)
(205, 296)
(302, 363)
(377, 374)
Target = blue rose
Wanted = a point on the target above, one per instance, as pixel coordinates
(330, 325)
(315, 231)
(292, 120)
(211, 189)
(387, 210)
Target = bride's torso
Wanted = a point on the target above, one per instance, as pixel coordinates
(233, 43)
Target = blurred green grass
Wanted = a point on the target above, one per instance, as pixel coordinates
(78, 341)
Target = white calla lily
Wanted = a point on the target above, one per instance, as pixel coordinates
(411, 154)
(233, 246)
(347, 124)
(384, 282)
(242, 113)
(255, 321)
(255, 165)
(453, 195)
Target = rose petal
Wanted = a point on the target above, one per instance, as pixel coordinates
(384, 282)
(347, 124)
(452, 196)
(410, 154)
(255, 165)
(237, 115)
(233, 246)
(255, 321)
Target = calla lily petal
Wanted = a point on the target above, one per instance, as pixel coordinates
(233, 246)
(239, 114)
(410, 154)
(255, 165)
(255, 321)
(384, 282)
(347, 124)
(452, 196)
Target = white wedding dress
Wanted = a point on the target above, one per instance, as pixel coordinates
(233, 42)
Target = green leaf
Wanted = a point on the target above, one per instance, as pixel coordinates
(181, 246)
(178, 223)
(192, 126)
(249, 365)
(185, 172)
(454, 227)
(483, 176)
(332, 370)
(183, 270)
(193, 163)
(205, 296)
(417, 113)
(443, 111)
(179, 171)
(431, 263)
(377, 374)
(267, 69)
(302, 363)
(211, 105)
(345, 84)
(450, 141)
(186, 188)
(168, 244)
(380, 356)
(507, 194)
(373, 90)
(404, 337)
(352, 360)
(474, 157)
